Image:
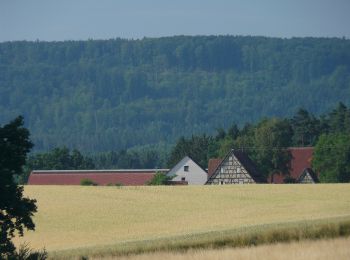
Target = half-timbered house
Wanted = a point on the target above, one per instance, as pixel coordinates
(235, 168)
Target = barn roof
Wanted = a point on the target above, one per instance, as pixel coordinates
(101, 177)
(250, 166)
(212, 165)
(301, 159)
(246, 162)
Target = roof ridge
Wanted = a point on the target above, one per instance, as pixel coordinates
(101, 170)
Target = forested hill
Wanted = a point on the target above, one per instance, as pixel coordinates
(102, 95)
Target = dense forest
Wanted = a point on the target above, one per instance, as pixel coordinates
(104, 95)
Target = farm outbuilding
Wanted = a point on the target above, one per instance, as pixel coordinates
(300, 162)
(235, 168)
(128, 177)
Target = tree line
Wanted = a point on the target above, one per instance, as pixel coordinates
(265, 142)
(103, 95)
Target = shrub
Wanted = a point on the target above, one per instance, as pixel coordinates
(159, 178)
(87, 182)
(115, 184)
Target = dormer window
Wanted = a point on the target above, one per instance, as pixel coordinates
(186, 168)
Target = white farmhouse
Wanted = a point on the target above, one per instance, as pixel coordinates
(188, 171)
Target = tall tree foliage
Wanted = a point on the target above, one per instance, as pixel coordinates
(267, 144)
(339, 119)
(60, 158)
(306, 128)
(197, 147)
(16, 211)
(131, 159)
(332, 157)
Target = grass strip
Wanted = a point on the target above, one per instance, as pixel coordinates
(239, 237)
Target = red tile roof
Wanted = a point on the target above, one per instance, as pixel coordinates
(212, 165)
(101, 177)
(301, 159)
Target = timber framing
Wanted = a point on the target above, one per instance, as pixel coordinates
(236, 168)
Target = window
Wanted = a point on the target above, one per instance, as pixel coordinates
(183, 179)
(186, 168)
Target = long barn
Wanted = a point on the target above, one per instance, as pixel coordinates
(127, 177)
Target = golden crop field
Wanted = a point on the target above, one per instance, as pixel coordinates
(80, 217)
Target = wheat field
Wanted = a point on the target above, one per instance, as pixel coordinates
(80, 217)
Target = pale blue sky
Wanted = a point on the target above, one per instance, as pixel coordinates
(104, 19)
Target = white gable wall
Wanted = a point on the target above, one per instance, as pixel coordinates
(194, 176)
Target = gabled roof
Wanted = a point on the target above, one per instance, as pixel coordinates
(311, 173)
(246, 162)
(181, 162)
(301, 159)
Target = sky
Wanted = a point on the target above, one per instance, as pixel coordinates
(58, 20)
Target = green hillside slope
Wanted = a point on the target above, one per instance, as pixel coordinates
(104, 95)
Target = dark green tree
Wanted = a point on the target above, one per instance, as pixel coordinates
(331, 157)
(271, 140)
(197, 147)
(15, 211)
(233, 131)
(339, 119)
(305, 128)
(220, 134)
